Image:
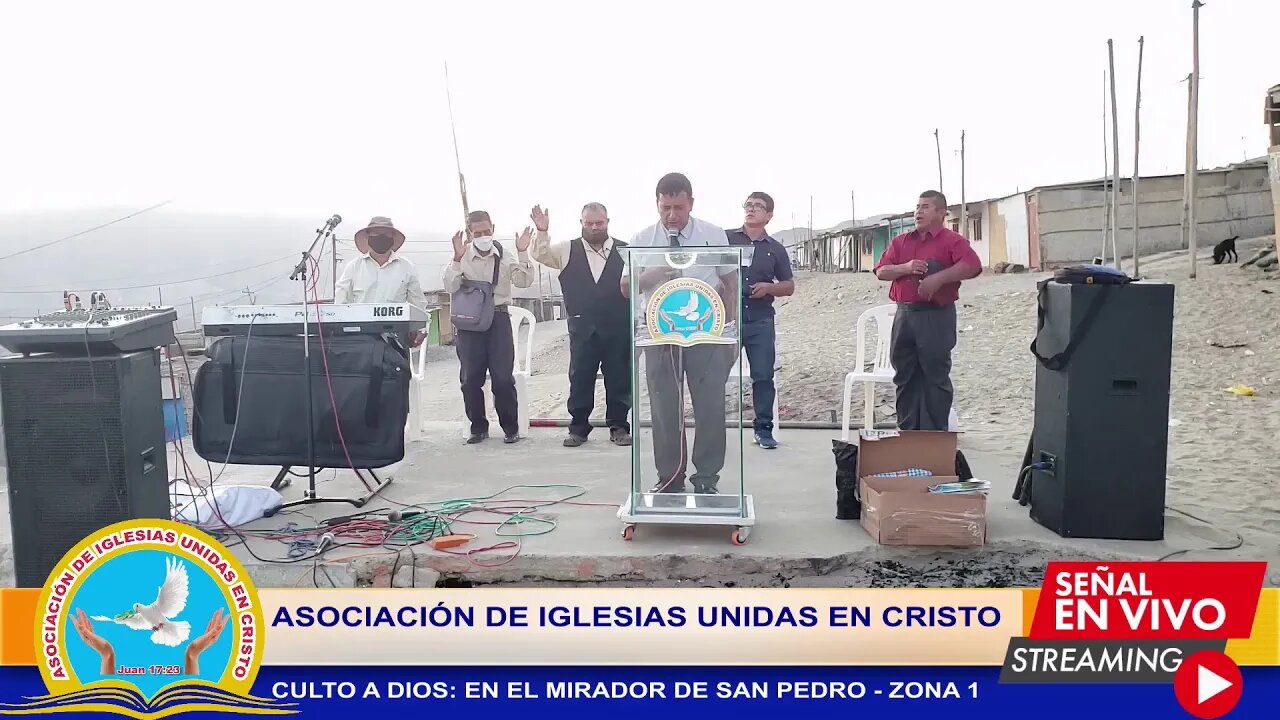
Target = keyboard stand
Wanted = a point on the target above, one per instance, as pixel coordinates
(310, 496)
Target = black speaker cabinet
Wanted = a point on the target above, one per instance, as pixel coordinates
(1102, 421)
(85, 445)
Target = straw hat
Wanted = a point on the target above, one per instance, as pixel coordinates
(378, 223)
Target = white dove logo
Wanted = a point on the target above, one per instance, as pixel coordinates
(690, 311)
(157, 617)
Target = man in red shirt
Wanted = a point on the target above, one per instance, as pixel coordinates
(926, 267)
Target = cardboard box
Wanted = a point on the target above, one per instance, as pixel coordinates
(901, 510)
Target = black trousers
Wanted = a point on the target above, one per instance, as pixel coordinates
(492, 353)
(921, 343)
(609, 354)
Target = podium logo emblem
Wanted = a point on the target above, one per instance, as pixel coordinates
(148, 618)
(686, 312)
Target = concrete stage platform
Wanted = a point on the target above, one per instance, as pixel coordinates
(796, 540)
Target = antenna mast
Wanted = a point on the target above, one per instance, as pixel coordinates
(462, 182)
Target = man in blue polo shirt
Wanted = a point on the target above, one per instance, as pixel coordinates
(768, 276)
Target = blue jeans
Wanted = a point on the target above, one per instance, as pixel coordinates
(759, 342)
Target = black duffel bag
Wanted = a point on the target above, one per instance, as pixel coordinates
(369, 378)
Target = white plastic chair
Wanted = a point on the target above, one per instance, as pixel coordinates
(520, 316)
(881, 370)
(741, 371)
(417, 392)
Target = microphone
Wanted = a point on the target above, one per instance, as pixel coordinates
(325, 541)
(398, 515)
(673, 237)
(335, 221)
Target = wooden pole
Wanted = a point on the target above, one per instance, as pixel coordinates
(964, 207)
(1115, 156)
(937, 143)
(1186, 176)
(857, 246)
(1106, 173)
(1193, 131)
(1137, 121)
(822, 256)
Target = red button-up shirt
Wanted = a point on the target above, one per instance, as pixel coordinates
(943, 246)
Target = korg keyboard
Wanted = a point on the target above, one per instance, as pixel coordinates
(354, 319)
(92, 331)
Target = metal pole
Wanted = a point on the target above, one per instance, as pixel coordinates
(1106, 173)
(1137, 119)
(1115, 156)
(1193, 130)
(333, 293)
(195, 318)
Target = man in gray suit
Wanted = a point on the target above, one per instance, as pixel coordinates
(704, 367)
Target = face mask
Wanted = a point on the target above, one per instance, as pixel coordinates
(483, 244)
(380, 244)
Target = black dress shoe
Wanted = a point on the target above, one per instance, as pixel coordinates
(511, 438)
(669, 486)
(477, 437)
(705, 488)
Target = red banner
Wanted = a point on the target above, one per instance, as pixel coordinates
(1148, 600)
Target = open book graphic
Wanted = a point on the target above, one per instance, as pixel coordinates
(191, 696)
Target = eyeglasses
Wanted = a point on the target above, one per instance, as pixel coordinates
(754, 206)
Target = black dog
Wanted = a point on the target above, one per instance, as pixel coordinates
(1225, 249)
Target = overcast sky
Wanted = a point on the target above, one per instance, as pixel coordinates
(322, 107)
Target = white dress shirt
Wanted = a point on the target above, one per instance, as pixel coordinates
(695, 233)
(556, 256)
(363, 280)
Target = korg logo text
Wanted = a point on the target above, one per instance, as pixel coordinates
(389, 311)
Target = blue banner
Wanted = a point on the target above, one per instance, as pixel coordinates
(702, 692)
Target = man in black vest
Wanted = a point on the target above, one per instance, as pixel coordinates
(599, 319)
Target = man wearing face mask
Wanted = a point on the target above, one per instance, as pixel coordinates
(379, 275)
(493, 351)
(599, 316)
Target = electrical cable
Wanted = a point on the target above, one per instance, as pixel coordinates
(84, 232)
(36, 291)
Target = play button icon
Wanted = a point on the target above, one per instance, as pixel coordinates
(1208, 684)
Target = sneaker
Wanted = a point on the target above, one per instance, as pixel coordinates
(477, 437)
(510, 438)
(574, 440)
(764, 439)
(618, 436)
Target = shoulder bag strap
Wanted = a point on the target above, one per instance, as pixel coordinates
(1060, 361)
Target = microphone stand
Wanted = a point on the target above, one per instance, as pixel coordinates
(310, 496)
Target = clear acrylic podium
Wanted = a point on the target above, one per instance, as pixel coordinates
(686, 418)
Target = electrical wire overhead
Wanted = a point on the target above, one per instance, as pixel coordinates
(84, 232)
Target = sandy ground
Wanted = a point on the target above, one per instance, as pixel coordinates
(1218, 440)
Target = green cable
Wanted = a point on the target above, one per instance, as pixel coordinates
(430, 524)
